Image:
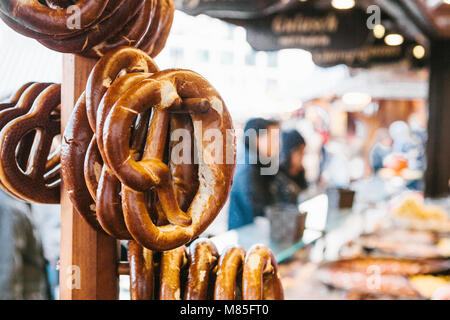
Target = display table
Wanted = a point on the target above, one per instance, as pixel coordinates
(259, 233)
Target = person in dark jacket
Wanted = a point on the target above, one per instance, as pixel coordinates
(251, 187)
(290, 181)
(22, 263)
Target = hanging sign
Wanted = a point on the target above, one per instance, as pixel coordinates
(363, 56)
(239, 9)
(307, 28)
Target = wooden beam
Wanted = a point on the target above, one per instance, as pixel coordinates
(437, 176)
(89, 259)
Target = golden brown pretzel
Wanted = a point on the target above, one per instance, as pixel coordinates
(165, 91)
(260, 279)
(107, 69)
(132, 33)
(197, 275)
(18, 106)
(109, 203)
(40, 182)
(102, 204)
(229, 273)
(75, 142)
(203, 257)
(142, 272)
(104, 25)
(172, 263)
(154, 40)
(40, 18)
(83, 42)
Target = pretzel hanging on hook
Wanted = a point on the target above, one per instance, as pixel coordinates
(167, 91)
(93, 189)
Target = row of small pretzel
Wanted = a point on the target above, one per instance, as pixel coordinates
(117, 165)
(199, 273)
(29, 156)
(92, 27)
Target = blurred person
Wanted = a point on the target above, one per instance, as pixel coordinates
(401, 136)
(47, 220)
(22, 265)
(381, 149)
(250, 193)
(290, 180)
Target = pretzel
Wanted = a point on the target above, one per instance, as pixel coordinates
(40, 182)
(19, 105)
(96, 194)
(133, 33)
(107, 69)
(75, 142)
(109, 208)
(228, 270)
(172, 263)
(142, 271)
(202, 260)
(261, 280)
(105, 24)
(82, 42)
(193, 276)
(40, 18)
(163, 92)
(154, 40)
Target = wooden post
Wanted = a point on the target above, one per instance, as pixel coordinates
(88, 259)
(437, 176)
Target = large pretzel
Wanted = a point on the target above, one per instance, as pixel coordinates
(75, 142)
(103, 90)
(166, 91)
(96, 193)
(229, 274)
(203, 257)
(142, 280)
(40, 181)
(260, 279)
(104, 25)
(20, 104)
(37, 17)
(172, 263)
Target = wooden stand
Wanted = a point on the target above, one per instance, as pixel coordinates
(89, 259)
(437, 177)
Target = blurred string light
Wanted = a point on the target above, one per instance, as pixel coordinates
(379, 31)
(343, 4)
(446, 1)
(394, 39)
(419, 51)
